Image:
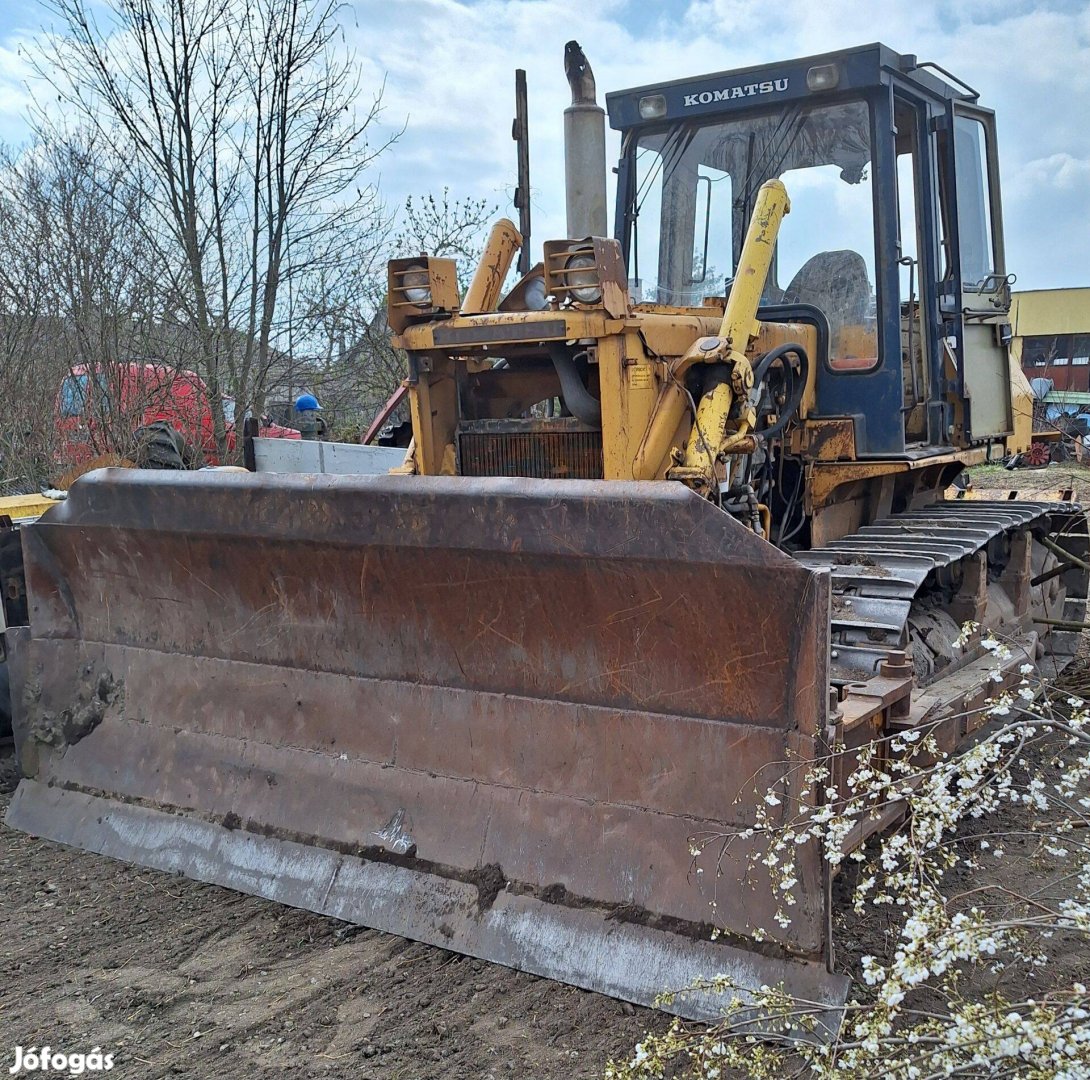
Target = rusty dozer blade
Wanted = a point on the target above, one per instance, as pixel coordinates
(485, 714)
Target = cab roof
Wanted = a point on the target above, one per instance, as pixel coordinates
(860, 68)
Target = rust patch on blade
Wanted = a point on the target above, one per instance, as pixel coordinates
(495, 676)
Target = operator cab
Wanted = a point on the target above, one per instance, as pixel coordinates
(893, 244)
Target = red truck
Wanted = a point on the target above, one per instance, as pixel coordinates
(103, 416)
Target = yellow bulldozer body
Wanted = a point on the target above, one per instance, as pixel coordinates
(493, 700)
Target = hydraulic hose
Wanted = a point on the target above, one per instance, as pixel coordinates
(580, 402)
(797, 383)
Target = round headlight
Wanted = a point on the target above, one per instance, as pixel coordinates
(416, 286)
(583, 284)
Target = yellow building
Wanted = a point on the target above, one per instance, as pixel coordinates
(1052, 341)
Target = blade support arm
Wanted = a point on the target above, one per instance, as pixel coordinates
(715, 432)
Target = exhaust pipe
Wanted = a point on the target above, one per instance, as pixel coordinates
(584, 150)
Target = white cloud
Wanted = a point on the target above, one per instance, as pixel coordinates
(14, 97)
(1061, 172)
(449, 68)
(450, 72)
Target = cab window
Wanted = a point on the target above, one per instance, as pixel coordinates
(974, 202)
(695, 189)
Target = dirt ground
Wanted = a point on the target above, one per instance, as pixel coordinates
(183, 979)
(1047, 482)
(177, 978)
(998, 884)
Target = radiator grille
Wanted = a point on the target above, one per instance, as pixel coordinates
(546, 455)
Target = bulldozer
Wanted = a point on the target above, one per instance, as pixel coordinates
(671, 525)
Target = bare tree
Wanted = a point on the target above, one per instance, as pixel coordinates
(246, 119)
(74, 293)
(446, 228)
(346, 314)
(24, 447)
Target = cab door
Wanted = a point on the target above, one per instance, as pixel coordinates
(975, 291)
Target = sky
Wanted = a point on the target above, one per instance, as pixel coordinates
(447, 68)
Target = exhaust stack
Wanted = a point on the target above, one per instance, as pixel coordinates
(584, 150)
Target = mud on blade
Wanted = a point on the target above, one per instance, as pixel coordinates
(484, 714)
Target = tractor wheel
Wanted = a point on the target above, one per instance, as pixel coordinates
(160, 446)
(396, 434)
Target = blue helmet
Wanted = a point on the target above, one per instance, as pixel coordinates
(306, 403)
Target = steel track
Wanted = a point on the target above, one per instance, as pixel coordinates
(879, 571)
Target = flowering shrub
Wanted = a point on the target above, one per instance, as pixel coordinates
(913, 1013)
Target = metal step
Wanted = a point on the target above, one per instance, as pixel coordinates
(870, 615)
(942, 552)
